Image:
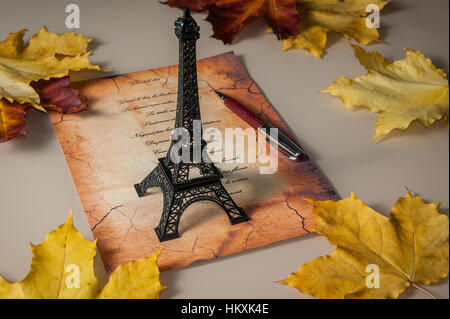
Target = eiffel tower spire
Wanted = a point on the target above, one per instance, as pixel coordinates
(188, 33)
(179, 186)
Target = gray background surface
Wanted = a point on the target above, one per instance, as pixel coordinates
(37, 191)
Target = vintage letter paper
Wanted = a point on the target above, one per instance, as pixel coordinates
(117, 142)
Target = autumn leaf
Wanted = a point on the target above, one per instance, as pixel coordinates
(401, 92)
(12, 120)
(62, 268)
(409, 248)
(47, 56)
(38, 75)
(138, 279)
(56, 95)
(318, 17)
(229, 17)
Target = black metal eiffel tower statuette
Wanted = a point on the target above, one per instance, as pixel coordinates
(180, 185)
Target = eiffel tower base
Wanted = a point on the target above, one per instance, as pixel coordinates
(178, 197)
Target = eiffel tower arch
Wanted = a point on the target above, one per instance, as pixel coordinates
(180, 186)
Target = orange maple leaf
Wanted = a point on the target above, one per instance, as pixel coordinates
(12, 119)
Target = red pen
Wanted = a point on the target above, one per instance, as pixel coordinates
(284, 145)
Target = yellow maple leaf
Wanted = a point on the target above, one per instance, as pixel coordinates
(62, 268)
(319, 17)
(408, 248)
(134, 280)
(47, 56)
(401, 92)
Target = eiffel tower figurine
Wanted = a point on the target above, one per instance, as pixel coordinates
(180, 186)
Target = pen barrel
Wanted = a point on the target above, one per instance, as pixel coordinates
(253, 120)
(280, 141)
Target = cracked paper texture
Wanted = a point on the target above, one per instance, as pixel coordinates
(117, 142)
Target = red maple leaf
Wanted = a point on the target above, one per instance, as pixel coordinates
(229, 17)
(56, 95)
